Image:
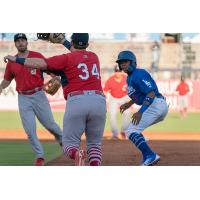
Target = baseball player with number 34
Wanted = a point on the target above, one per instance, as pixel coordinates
(86, 105)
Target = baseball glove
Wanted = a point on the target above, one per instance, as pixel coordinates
(58, 38)
(52, 86)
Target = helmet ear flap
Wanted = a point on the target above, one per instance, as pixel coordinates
(117, 68)
(120, 69)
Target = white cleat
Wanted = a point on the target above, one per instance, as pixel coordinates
(151, 160)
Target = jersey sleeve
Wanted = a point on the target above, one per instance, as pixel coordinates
(177, 88)
(144, 83)
(8, 73)
(57, 62)
(38, 55)
(107, 85)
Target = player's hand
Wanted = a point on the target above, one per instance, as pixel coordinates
(9, 58)
(136, 118)
(124, 107)
(1, 90)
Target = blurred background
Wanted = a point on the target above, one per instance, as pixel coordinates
(166, 55)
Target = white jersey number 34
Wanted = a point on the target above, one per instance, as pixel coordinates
(86, 73)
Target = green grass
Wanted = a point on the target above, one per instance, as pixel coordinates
(11, 121)
(172, 123)
(19, 153)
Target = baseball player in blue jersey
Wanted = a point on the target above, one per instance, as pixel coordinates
(143, 91)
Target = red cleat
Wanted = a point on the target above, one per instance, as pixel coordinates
(39, 162)
(123, 135)
(114, 138)
(80, 158)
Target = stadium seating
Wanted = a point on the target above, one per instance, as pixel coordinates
(173, 56)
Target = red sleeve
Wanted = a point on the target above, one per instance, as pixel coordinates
(34, 54)
(177, 88)
(39, 55)
(57, 62)
(8, 73)
(107, 85)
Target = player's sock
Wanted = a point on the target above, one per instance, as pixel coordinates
(94, 156)
(70, 151)
(140, 142)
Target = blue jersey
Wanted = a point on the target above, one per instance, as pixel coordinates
(140, 83)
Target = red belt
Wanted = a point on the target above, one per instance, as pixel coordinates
(30, 92)
(71, 94)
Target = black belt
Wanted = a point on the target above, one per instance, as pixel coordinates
(161, 97)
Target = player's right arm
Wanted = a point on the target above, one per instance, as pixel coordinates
(55, 62)
(106, 87)
(36, 63)
(8, 77)
(126, 106)
(4, 84)
(177, 88)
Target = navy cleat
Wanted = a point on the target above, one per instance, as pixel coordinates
(151, 160)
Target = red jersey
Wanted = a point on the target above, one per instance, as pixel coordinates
(81, 69)
(182, 88)
(116, 89)
(26, 78)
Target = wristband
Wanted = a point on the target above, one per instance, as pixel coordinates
(67, 44)
(20, 60)
(145, 106)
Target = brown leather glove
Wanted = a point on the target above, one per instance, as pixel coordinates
(52, 86)
(58, 38)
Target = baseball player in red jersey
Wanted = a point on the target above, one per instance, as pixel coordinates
(116, 86)
(32, 100)
(86, 105)
(183, 90)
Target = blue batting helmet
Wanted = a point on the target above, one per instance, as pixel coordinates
(127, 55)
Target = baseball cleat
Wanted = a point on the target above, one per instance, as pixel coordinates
(80, 158)
(57, 138)
(151, 160)
(39, 162)
(123, 135)
(60, 143)
(114, 138)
